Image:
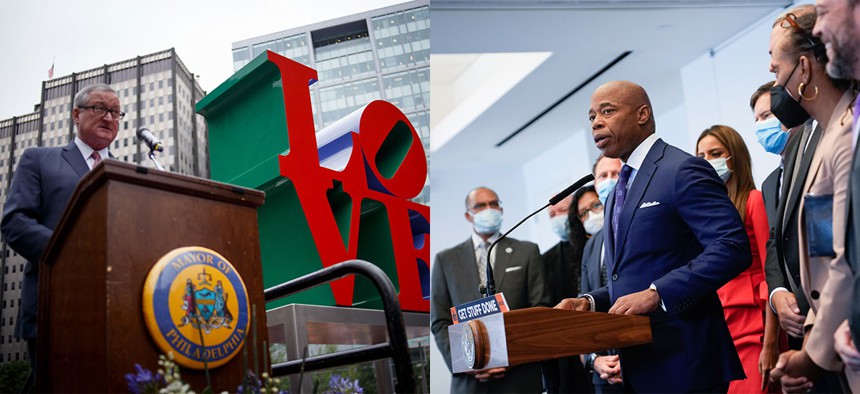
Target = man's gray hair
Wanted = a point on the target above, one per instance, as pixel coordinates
(83, 96)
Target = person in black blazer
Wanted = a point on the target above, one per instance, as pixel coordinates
(455, 277)
(782, 270)
(42, 186)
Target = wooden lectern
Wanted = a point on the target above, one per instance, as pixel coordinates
(537, 334)
(121, 219)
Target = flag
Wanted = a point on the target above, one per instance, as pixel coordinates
(51, 71)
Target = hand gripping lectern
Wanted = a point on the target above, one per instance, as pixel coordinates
(121, 219)
(535, 334)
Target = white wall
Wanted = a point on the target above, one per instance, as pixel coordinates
(718, 86)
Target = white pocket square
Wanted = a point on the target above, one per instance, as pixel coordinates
(649, 204)
(512, 269)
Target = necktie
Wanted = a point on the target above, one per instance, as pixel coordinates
(96, 158)
(603, 274)
(856, 116)
(620, 195)
(482, 262)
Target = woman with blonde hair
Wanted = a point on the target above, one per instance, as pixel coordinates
(753, 325)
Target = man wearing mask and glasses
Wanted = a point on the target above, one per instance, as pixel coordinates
(458, 273)
(42, 186)
(605, 366)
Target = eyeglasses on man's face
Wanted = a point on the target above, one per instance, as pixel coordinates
(594, 207)
(101, 111)
(484, 205)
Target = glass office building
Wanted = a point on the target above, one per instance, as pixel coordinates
(380, 54)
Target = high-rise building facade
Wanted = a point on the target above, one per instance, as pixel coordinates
(379, 54)
(156, 91)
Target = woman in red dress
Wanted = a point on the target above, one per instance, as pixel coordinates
(753, 325)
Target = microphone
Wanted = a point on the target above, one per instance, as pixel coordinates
(491, 282)
(149, 139)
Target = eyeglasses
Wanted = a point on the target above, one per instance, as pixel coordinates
(790, 21)
(594, 207)
(483, 205)
(101, 111)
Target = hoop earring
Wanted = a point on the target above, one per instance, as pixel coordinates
(800, 92)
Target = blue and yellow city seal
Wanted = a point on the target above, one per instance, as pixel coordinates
(196, 306)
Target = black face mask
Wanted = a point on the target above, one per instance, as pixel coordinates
(786, 108)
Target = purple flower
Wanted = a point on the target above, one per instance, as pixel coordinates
(341, 385)
(144, 382)
(250, 384)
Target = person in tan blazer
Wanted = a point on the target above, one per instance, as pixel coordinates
(826, 281)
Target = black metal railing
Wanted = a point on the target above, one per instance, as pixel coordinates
(397, 347)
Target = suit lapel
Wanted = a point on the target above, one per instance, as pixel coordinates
(595, 255)
(468, 270)
(797, 186)
(73, 156)
(635, 193)
(502, 262)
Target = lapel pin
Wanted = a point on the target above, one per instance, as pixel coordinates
(508, 250)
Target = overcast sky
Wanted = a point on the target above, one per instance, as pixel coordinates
(83, 34)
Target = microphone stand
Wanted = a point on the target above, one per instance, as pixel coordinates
(155, 160)
(549, 368)
(491, 281)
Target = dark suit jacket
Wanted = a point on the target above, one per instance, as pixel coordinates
(770, 194)
(41, 187)
(562, 271)
(852, 242)
(519, 274)
(689, 241)
(591, 264)
(782, 247)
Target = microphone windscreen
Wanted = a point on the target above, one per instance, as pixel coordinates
(570, 189)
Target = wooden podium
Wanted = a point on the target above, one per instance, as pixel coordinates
(537, 334)
(121, 219)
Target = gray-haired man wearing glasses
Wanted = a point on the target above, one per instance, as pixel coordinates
(42, 186)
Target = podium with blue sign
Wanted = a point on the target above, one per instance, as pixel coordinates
(486, 335)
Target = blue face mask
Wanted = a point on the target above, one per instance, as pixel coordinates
(487, 222)
(560, 227)
(722, 168)
(604, 188)
(771, 136)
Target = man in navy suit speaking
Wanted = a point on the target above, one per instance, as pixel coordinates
(42, 186)
(672, 238)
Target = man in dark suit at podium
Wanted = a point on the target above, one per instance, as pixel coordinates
(456, 275)
(42, 186)
(672, 239)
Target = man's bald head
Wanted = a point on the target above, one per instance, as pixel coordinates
(621, 118)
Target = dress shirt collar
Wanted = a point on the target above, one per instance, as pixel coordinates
(86, 152)
(638, 156)
(477, 240)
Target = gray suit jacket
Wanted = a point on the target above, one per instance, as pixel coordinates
(41, 187)
(519, 274)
